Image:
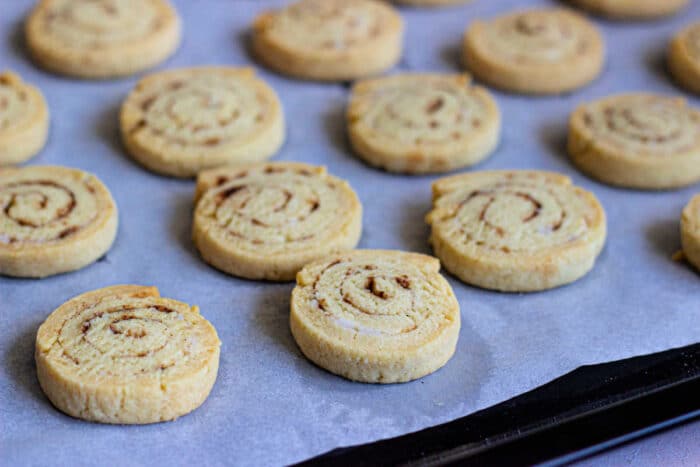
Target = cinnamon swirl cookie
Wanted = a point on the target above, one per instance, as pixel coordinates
(179, 122)
(418, 123)
(329, 39)
(123, 354)
(53, 220)
(266, 221)
(543, 51)
(102, 38)
(637, 141)
(684, 57)
(632, 9)
(375, 316)
(690, 231)
(515, 231)
(24, 120)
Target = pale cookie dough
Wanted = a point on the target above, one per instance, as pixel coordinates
(420, 123)
(53, 220)
(690, 231)
(179, 122)
(543, 51)
(123, 354)
(515, 231)
(266, 221)
(684, 57)
(24, 120)
(632, 9)
(104, 38)
(643, 141)
(329, 39)
(375, 316)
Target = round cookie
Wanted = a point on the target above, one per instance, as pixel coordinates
(266, 221)
(515, 231)
(24, 120)
(179, 122)
(431, 2)
(53, 220)
(684, 57)
(375, 316)
(631, 9)
(421, 123)
(102, 39)
(643, 141)
(690, 231)
(542, 51)
(123, 354)
(329, 39)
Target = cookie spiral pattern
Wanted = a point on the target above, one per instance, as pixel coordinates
(631, 9)
(123, 354)
(266, 221)
(180, 122)
(375, 316)
(329, 39)
(24, 120)
(684, 57)
(515, 230)
(641, 141)
(53, 220)
(542, 51)
(690, 231)
(102, 38)
(418, 123)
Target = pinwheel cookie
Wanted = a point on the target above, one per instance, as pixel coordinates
(684, 57)
(690, 231)
(102, 39)
(418, 123)
(24, 120)
(179, 122)
(266, 221)
(375, 316)
(329, 39)
(542, 51)
(53, 220)
(123, 354)
(515, 231)
(637, 141)
(632, 9)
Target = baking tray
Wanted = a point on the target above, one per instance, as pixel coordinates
(270, 405)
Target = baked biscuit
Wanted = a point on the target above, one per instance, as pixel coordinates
(632, 9)
(266, 221)
(643, 141)
(420, 123)
(123, 354)
(690, 231)
(330, 40)
(684, 57)
(179, 122)
(24, 120)
(375, 316)
(102, 39)
(543, 51)
(515, 231)
(53, 220)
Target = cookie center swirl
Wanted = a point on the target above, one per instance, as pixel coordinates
(374, 300)
(100, 23)
(329, 24)
(14, 107)
(205, 110)
(516, 217)
(132, 338)
(423, 114)
(37, 211)
(537, 37)
(649, 125)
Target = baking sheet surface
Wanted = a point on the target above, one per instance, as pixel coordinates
(270, 405)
